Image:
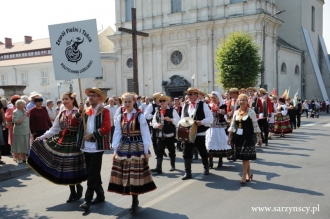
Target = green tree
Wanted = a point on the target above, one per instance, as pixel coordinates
(238, 61)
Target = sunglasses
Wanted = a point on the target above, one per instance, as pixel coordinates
(192, 94)
(162, 101)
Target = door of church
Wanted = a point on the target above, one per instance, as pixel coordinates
(176, 87)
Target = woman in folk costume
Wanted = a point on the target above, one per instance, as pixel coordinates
(242, 131)
(216, 138)
(282, 121)
(130, 174)
(55, 155)
(272, 118)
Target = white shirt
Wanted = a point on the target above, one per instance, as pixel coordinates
(143, 107)
(90, 127)
(112, 110)
(175, 120)
(144, 128)
(207, 121)
(327, 102)
(148, 111)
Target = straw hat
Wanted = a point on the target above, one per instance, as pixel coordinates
(34, 94)
(155, 96)
(233, 90)
(201, 92)
(242, 90)
(192, 90)
(164, 97)
(263, 91)
(97, 91)
(251, 89)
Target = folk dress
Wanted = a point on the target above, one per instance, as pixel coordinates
(216, 137)
(245, 142)
(58, 158)
(282, 121)
(130, 174)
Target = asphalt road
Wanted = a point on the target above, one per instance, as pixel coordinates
(291, 180)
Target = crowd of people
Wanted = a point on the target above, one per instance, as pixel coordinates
(65, 143)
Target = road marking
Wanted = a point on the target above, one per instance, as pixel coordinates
(327, 125)
(164, 196)
(310, 124)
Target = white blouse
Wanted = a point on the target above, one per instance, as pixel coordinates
(250, 114)
(144, 128)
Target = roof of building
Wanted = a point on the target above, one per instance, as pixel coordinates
(287, 45)
(22, 46)
(26, 61)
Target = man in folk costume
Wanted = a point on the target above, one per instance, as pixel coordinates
(177, 107)
(149, 114)
(242, 91)
(165, 121)
(93, 142)
(232, 105)
(265, 114)
(201, 113)
(255, 103)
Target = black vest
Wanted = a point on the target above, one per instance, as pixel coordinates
(200, 115)
(255, 105)
(154, 106)
(168, 127)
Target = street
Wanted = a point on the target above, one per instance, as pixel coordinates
(290, 176)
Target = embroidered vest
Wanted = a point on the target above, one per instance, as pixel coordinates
(168, 127)
(200, 115)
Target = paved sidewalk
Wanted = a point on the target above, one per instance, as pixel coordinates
(12, 169)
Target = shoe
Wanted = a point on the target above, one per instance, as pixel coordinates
(71, 198)
(134, 208)
(206, 171)
(266, 143)
(85, 205)
(165, 155)
(242, 183)
(251, 177)
(19, 161)
(98, 200)
(159, 171)
(172, 168)
(187, 176)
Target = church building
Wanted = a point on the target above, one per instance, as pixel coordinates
(184, 34)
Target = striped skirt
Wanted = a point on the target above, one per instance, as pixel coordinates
(130, 173)
(59, 162)
(282, 124)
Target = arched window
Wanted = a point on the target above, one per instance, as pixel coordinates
(296, 70)
(129, 6)
(176, 6)
(283, 68)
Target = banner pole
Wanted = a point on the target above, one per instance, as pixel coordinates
(81, 101)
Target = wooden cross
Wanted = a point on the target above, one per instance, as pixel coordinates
(134, 33)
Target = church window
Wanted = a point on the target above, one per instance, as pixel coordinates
(313, 19)
(4, 79)
(44, 75)
(176, 6)
(283, 68)
(129, 6)
(130, 87)
(297, 71)
(235, 1)
(176, 57)
(129, 63)
(24, 78)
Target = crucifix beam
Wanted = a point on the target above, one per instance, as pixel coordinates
(134, 34)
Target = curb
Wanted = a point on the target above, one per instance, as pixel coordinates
(6, 174)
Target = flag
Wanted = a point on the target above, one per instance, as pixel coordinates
(274, 92)
(284, 95)
(288, 94)
(296, 95)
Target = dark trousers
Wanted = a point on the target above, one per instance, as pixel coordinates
(112, 131)
(293, 121)
(298, 116)
(154, 140)
(263, 125)
(166, 142)
(306, 111)
(93, 165)
(188, 149)
(327, 108)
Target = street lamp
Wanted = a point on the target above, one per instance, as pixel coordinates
(58, 89)
(193, 78)
(262, 78)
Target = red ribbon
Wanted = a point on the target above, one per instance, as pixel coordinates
(193, 104)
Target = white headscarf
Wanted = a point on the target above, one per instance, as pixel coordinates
(219, 97)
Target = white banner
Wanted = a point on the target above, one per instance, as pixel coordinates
(75, 50)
